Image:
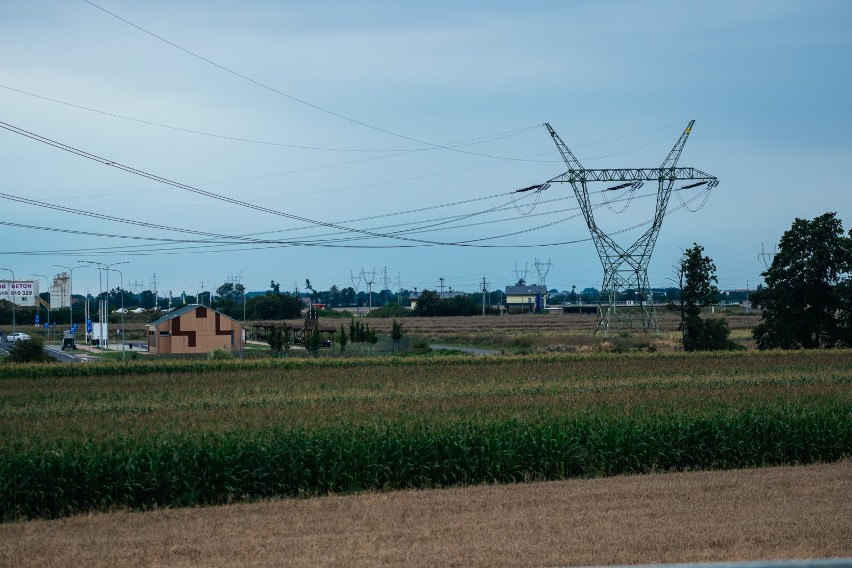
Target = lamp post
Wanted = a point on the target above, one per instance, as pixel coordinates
(123, 344)
(13, 299)
(104, 342)
(47, 282)
(71, 291)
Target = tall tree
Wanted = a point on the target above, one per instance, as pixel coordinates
(697, 279)
(396, 334)
(806, 297)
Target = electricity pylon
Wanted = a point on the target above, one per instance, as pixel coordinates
(627, 268)
(542, 269)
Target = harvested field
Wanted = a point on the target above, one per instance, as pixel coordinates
(530, 331)
(769, 513)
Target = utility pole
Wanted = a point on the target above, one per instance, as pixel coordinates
(11, 296)
(154, 289)
(441, 285)
(103, 310)
(398, 288)
(484, 292)
(38, 301)
(71, 291)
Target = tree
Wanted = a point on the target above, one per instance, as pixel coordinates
(343, 339)
(807, 295)
(396, 334)
(427, 304)
(697, 278)
(275, 339)
(314, 341)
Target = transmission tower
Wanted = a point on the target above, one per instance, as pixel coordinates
(369, 278)
(542, 268)
(767, 256)
(521, 274)
(626, 268)
(386, 283)
(356, 285)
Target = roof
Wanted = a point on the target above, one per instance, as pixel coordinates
(522, 290)
(185, 310)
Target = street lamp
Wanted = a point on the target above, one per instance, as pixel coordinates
(123, 343)
(12, 297)
(104, 341)
(71, 291)
(47, 282)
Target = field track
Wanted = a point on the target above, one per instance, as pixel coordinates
(769, 513)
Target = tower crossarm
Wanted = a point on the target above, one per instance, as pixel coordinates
(632, 174)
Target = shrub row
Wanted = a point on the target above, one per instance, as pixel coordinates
(62, 478)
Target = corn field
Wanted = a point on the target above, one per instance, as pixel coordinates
(79, 438)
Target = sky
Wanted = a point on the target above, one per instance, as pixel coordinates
(192, 143)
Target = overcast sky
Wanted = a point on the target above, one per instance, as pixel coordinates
(314, 140)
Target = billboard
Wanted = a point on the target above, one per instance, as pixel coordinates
(21, 292)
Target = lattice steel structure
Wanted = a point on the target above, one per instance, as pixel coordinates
(627, 268)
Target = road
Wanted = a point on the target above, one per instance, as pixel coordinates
(51, 350)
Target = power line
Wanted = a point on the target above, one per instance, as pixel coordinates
(277, 91)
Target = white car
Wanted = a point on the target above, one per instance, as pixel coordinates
(13, 337)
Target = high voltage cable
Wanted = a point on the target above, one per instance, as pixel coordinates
(82, 153)
(198, 132)
(265, 247)
(279, 92)
(185, 187)
(267, 244)
(470, 142)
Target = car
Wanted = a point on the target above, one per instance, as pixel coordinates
(138, 311)
(14, 337)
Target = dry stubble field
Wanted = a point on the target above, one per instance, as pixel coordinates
(769, 513)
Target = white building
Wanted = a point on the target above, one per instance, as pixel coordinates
(60, 291)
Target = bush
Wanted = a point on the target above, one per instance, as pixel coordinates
(219, 355)
(390, 311)
(708, 335)
(29, 351)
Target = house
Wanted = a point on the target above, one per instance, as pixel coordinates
(414, 296)
(195, 329)
(526, 299)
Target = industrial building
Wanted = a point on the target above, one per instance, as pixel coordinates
(526, 299)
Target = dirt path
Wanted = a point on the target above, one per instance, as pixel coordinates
(772, 513)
